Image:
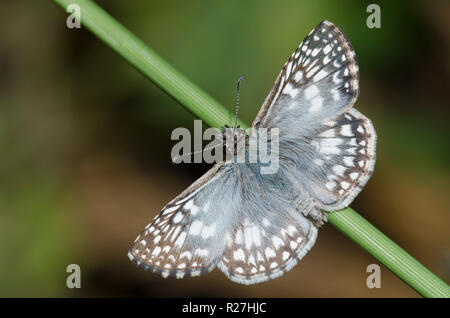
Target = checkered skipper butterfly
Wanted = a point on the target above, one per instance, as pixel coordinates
(256, 227)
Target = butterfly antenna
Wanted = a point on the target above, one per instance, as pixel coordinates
(174, 159)
(237, 101)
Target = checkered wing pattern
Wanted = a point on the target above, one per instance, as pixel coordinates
(317, 83)
(328, 145)
(275, 227)
(186, 238)
(335, 164)
(265, 248)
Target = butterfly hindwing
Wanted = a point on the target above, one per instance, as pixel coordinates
(273, 229)
(265, 248)
(335, 164)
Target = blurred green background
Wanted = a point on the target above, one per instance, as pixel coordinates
(85, 139)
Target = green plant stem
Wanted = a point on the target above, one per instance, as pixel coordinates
(212, 113)
(388, 253)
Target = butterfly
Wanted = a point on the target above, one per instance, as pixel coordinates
(255, 227)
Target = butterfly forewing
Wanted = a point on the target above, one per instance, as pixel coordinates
(318, 82)
(186, 237)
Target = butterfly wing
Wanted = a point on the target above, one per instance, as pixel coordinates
(328, 146)
(253, 225)
(318, 82)
(265, 248)
(186, 238)
(336, 164)
(272, 234)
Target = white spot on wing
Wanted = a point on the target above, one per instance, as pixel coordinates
(195, 273)
(315, 52)
(340, 170)
(196, 228)
(311, 91)
(175, 233)
(330, 185)
(187, 255)
(291, 230)
(195, 209)
(349, 161)
(156, 251)
(320, 75)
(289, 68)
(208, 231)
(346, 130)
(171, 209)
(345, 185)
(328, 133)
(298, 76)
(180, 275)
(290, 90)
(316, 104)
(318, 162)
(312, 71)
(239, 255)
(238, 238)
(189, 205)
(180, 240)
(277, 242)
(270, 252)
(360, 129)
(178, 217)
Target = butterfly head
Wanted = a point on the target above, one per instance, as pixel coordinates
(230, 138)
